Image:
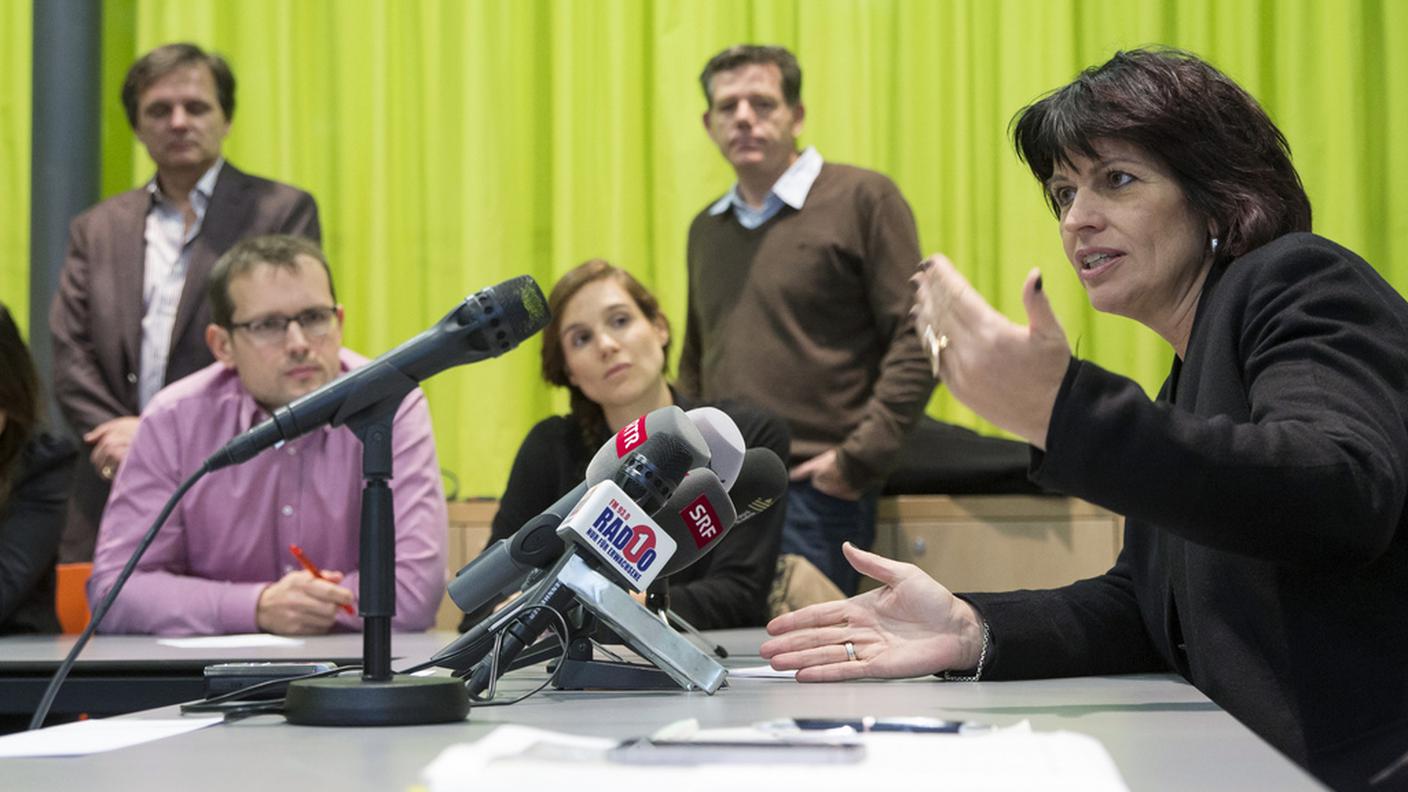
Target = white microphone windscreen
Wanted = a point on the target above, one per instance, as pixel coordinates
(725, 442)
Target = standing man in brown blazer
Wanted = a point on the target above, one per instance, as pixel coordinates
(130, 313)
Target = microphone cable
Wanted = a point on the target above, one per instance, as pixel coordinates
(234, 706)
(52, 691)
(558, 627)
(41, 713)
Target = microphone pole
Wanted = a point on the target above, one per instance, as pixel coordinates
(377, 697)
(657, 600)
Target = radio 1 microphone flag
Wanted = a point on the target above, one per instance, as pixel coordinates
(487, 324)
(629, 544)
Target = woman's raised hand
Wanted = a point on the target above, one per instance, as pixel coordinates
(1005, 372)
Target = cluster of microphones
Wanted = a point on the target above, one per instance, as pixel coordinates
(657, 496)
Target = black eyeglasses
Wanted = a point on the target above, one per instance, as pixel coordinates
(314, 322)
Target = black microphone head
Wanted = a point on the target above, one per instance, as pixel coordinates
(507, 313)
(650, 473)
(697, 517)
(525, 308)
(702, 511)
(761, 482)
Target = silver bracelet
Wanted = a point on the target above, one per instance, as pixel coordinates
(982, 660)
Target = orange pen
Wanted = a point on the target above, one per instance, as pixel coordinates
(313, 570)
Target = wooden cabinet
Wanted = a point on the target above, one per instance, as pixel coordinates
(999, 542)
(470, 522)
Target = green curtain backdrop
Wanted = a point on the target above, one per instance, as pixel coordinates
(16, 24)
(455, 143)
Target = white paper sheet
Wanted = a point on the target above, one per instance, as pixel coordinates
(231, 641)
(760, 672)
(518, 757)
(94, 736)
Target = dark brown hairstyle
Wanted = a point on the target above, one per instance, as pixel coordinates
(19, 399)
(166, 59)
(1232, 162)
(741, 55)
(588, 414)
(276, 250)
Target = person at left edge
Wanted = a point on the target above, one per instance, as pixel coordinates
(36, 468)
(129, 316)
(221, 563)
(608, 343)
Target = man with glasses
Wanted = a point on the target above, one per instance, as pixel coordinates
(222, 563)
(130, 313)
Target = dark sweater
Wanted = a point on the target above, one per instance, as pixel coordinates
(31, 525)
(1266, 553)
(726, 588)
(807, 316)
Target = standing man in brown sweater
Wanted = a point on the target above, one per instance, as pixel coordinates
(799, 301)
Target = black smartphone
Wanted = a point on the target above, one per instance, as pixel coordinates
(919, 725)
(223, 678)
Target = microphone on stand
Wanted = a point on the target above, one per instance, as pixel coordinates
(487, 324)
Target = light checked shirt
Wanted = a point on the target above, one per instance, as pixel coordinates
(168, 244)
(790, 189)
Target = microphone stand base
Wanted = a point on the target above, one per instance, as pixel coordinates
(354, 701)
(612, 675)
(644, 633)
(582, 671)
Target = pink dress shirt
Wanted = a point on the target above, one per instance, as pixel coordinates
(229, 536)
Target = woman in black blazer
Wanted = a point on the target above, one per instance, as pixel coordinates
(1265, 555)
